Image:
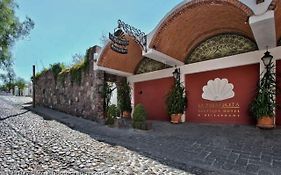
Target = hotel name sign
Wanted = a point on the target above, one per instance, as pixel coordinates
(219, 109)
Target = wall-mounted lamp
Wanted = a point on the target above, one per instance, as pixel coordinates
(267, 58)
(176, 74)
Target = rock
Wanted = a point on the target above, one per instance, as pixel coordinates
(61, 152)
(129, 171)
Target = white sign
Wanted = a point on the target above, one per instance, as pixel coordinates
(218, 90)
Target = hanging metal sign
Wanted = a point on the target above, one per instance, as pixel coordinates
(117, 48)
(120, 43)
(118, 40)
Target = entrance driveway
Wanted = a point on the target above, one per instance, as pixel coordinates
(195, 148)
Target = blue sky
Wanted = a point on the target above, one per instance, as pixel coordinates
(65, 27)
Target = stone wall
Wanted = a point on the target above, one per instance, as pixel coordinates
(84, 99)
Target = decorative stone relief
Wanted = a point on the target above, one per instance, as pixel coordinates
(221, 46)
(218, 90)
(149, 65)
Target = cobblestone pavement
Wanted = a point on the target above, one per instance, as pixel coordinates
(33, 145)
(195, 148)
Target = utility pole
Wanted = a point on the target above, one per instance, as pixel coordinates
(33, 87)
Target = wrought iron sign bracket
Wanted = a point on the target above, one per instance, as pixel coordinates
(120, 43)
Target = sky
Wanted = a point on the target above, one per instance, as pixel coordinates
(66, 27)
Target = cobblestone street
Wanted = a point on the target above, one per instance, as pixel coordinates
(30, 144)
(175, 87)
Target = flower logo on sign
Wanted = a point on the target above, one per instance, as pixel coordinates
(218, 90)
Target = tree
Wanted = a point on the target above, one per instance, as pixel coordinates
(21, 84)
(11, 29)
(8, 79)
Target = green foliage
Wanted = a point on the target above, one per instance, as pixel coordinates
(39, 74)
(264, 102)
(56, 69)
(62, 75)
(76, 74)
(124, 97)
(139, 114)
(11, 29)
(8, 86)
(139, 117)
(176, 100)
(77, 70)
(111, 114)
(60, 71)
(8, 79)
(21, 84)
(108, 88)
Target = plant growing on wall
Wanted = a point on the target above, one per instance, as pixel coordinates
(39, 74)
(77, 70)
(56, 69)
(124, 97)
(60, 71)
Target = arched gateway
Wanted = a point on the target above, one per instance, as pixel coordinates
(215, 44)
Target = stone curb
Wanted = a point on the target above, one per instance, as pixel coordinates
(47, 116)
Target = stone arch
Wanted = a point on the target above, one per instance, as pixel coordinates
(221, 45)
(193, 22)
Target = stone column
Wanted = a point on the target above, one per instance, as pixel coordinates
(98, 100)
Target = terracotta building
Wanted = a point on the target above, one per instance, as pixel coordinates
(213, 42)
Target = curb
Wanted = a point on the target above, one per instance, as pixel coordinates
(49, 117)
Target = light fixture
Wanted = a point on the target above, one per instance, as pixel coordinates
(267, 58)
(176, 74)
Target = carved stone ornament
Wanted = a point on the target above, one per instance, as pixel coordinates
(221, 46)
(149, 65)
(218, 90)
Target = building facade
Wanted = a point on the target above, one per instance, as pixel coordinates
(216, 44)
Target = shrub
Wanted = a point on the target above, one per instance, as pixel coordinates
(77, 70)
(39, 74)
(139, 114)
(176, 100)
(56, 69)
(111, 114)
(139, 117)
(264, 102)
